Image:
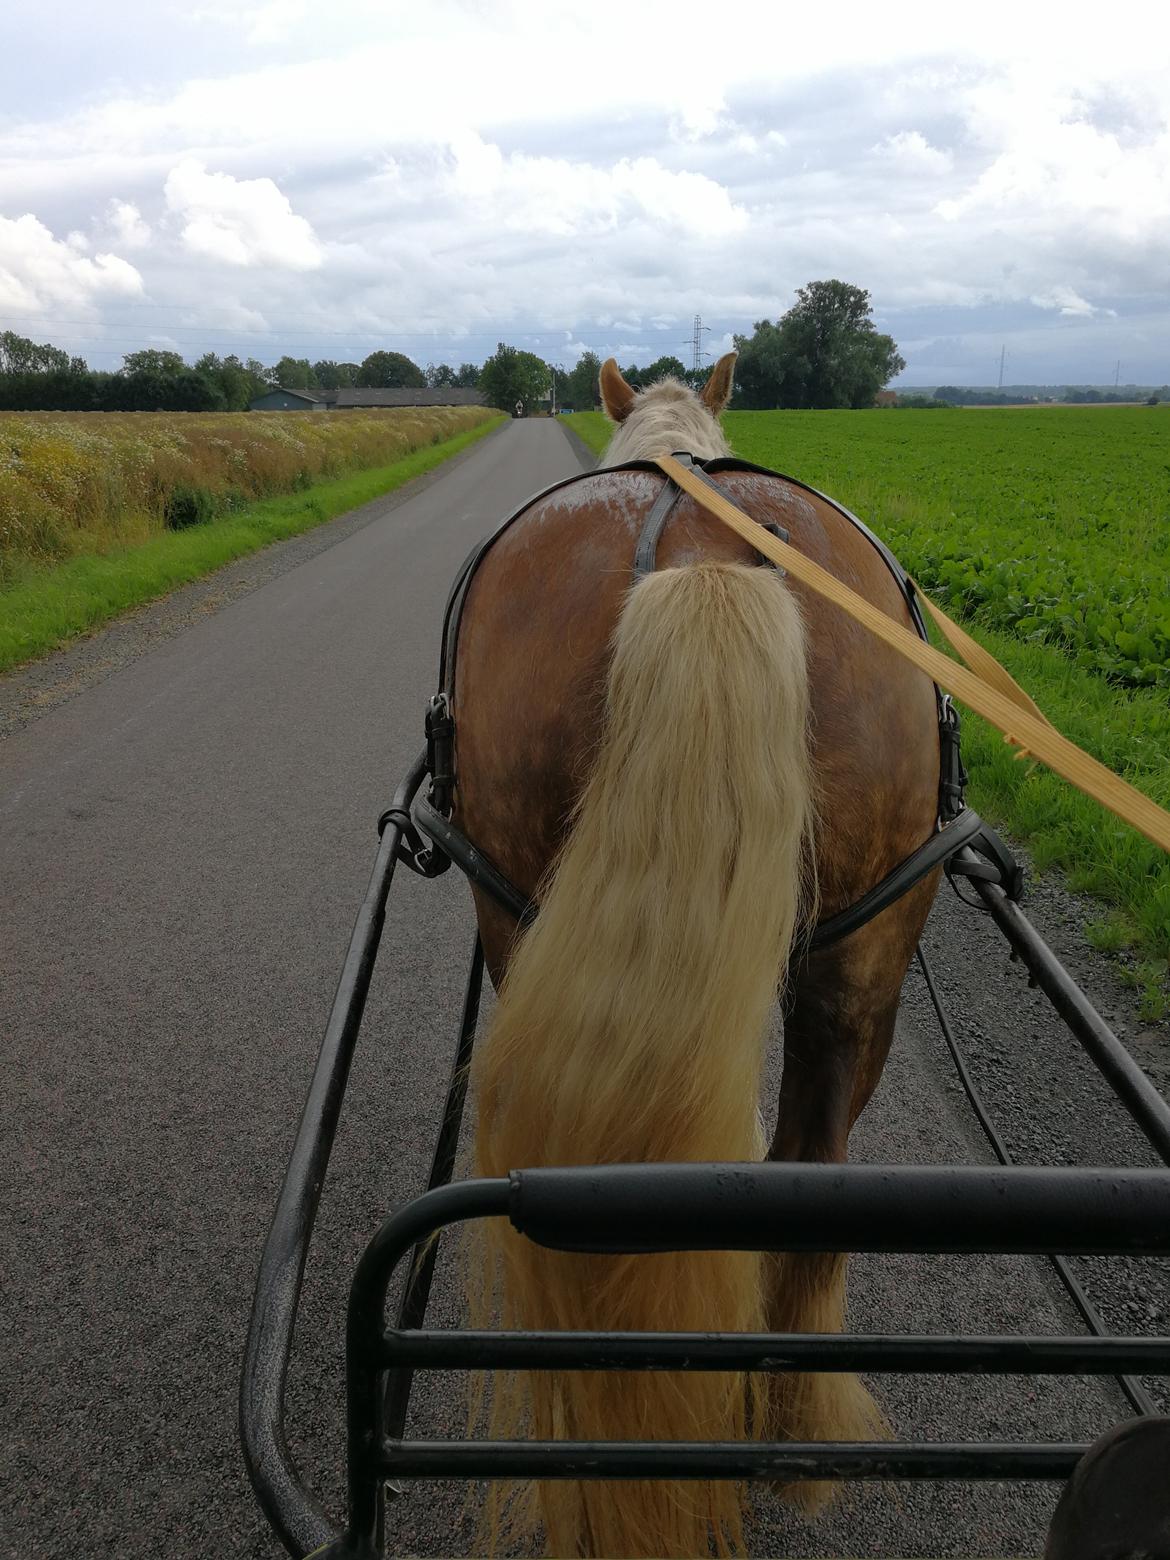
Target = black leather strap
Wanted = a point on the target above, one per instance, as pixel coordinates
(646, 555)
(478, 869)
(968, 829)
(937, 849)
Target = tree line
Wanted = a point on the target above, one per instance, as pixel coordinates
(825, 351)
(37, 377)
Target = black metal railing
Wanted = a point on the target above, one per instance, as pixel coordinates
(648, 1208)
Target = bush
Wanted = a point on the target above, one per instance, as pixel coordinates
(186, 506)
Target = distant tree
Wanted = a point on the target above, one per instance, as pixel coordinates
(155, 380)
(440, 378)
(390, 371)
(468, 377)
(328, 375)
(824, 352)
(293, 373)
(664, 368)
(38, 377)
(762, 372)
(511, 375)
(19, 355)
(582, 392)
(235, 381)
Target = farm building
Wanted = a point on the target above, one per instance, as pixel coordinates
(448, 397)
(279, 400)
(341, 400)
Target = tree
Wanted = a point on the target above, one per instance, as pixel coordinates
(390, 371)
(37, 377)
(582, 392)
(293, 373)
(761, 373)
(511, 375)
(440, 378)
(665, 368)
(468, 377)
(824, 352)
(236, 383)
(328, 375)
(19, 355)
(158, 381)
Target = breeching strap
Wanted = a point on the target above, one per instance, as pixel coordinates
(987, 687)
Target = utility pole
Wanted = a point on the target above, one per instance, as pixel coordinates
(1002, 354)
(1117, 374)
(696, 342)
(553, 369)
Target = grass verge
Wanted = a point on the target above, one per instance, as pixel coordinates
(48, 606)
(1129, 731)
(592, 428)
(1126, 729)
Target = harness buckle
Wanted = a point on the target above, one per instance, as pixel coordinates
(952, 776)
(440, 732)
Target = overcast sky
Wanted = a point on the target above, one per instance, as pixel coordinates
(324, 177)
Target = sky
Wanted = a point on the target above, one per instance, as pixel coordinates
(328, 177)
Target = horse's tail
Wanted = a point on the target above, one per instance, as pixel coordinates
(632, 1023)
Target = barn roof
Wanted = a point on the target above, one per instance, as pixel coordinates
(449, 397)
(313, 396)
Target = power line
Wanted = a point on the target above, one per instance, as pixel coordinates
(601, 333)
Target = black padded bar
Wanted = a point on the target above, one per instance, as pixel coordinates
(798, 1207)
(728, 1460)
(1021, 1354)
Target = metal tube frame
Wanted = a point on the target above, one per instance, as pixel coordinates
(671, 1207)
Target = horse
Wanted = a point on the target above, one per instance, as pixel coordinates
(683, 771)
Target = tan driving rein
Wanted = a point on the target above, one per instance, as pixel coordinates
(987, 688)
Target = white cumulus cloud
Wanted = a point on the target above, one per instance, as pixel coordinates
(239, 221)
(911, 152)
(125, 219)
(40, 272)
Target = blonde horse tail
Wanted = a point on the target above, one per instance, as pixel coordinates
(631, 1027)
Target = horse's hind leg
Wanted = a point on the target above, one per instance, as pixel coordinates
(838, 1026)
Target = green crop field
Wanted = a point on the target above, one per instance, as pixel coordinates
(1048, 532)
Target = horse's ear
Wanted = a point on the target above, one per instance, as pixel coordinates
(616, 395)
(716, 393)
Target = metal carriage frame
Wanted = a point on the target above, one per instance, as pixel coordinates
(644, 1208)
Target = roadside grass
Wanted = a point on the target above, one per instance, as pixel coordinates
(1127, 728)
(74, 484)
(592, 428)
(47, 605)
(1129, 731)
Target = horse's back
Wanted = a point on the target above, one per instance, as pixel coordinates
(534, 649)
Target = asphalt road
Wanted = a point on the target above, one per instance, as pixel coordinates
(186, 829)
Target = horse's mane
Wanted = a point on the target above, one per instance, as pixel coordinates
(667, 417)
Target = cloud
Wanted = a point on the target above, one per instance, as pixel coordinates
(125, 220)
(910, 151)
(329, 191)
(241, 222)
(1064, 299)
(39, 272)
(570, 199)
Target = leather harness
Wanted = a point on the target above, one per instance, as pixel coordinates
(957, 827)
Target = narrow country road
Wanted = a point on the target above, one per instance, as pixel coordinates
(183, 846)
